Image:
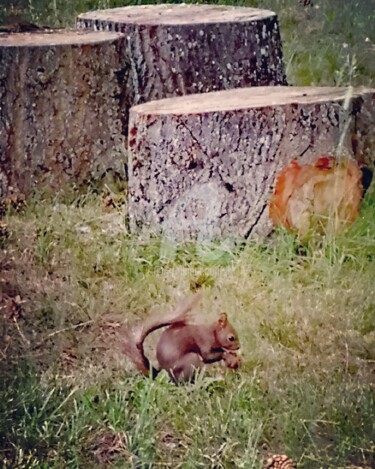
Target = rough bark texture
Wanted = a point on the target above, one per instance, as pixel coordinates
(174, 50)
(205, 166)
(60, 119)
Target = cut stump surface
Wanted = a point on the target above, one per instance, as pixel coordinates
(205, 166)
(60, 118)
(174, 50)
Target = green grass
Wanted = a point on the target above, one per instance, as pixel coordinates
(71, 276)
(305, 318)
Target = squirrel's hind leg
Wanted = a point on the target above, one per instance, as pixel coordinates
(185, 368)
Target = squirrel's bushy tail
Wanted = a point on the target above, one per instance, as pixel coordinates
(134, 339)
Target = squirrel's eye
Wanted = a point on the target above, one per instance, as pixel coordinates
(231, 338)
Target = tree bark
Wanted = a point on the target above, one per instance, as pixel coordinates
(205, 166)
(174, 50)
(60, 113)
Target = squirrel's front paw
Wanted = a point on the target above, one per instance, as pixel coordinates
(232, 360)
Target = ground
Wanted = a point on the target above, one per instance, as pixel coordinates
(72, 277)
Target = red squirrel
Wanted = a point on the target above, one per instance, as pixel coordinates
(183, 347)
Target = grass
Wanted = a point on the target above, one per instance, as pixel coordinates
(305, 318)
(71, 277)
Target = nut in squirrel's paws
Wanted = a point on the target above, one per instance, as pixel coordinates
(232, 360)
(280, 461)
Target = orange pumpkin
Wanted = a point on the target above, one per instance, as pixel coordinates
(325, 195)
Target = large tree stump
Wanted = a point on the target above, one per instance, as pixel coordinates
(205, 166)
(174, 50)
(60, 116)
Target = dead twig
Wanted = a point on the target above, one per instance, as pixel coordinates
(65, 329)
(25, 340)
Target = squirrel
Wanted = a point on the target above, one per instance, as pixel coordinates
(183, 347)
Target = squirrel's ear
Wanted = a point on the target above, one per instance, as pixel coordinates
(223, 320)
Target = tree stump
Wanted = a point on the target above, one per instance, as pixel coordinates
(174, 50)
(60, 117)
(205, 166)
